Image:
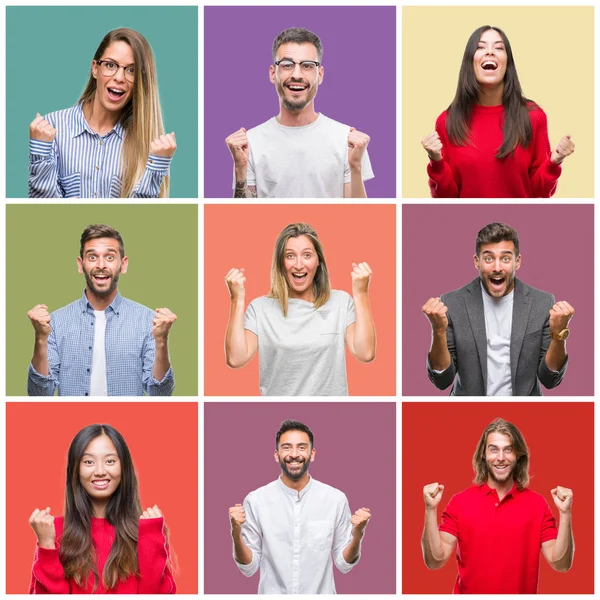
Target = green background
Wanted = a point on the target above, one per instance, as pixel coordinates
(49, 52)
(42, 246)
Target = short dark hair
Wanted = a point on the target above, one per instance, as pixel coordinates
(94, 232)
(291, 425)
(297, 35)
(497, 232)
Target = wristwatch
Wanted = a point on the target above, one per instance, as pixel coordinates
(561, 336)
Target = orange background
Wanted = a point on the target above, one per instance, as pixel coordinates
(244, 236)
(438, 442)
(163, 440)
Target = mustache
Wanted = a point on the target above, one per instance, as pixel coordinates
(298, 460)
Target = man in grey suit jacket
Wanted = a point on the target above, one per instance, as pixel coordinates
(497, 335)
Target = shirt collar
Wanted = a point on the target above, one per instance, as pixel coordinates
(514, 490)
(114, 306)
(80, 125)
(291, 492)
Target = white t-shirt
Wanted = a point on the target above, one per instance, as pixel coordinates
(98, 385)
(310, 161)
(302, 354)
(498, 326)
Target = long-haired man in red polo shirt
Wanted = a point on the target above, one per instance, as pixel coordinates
(499, 525)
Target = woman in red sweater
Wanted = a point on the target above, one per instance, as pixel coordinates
(492, 142)
(105, 543)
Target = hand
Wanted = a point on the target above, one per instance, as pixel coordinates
(238, 146)
(361, 277)
(237, 514)
(360, 519)
(42, 523)
(40, 319)
(433, 146)
(560, 315)
(162, 323)
(565, 148)
(41, 130)
(152, 513)
(432, 494)
(436, 311)
(235, 281)
(563, 498)
(357, 144)
(164, 145)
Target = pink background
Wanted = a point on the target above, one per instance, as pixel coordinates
(557, 256)
(355, 447)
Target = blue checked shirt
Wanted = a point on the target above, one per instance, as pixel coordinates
(80, 163)
(130, 351)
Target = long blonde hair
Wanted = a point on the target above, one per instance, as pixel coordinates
(280, 287)
(142, 117)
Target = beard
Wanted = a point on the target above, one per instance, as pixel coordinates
(510, 284)
(297, 474)
(296, 104)
(508, 474)
(114, 280)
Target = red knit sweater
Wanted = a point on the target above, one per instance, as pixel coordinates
(473, 171)
(48, 576)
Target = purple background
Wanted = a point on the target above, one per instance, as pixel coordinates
(358, 89)
(355, 447)
(557, 256)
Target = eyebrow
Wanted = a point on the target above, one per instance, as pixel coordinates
(95, 251)
(484, 42)
(303, 250)
(503, 252)
(94, 456)
(116, 61)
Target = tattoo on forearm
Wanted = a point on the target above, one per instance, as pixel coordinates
(242, 190)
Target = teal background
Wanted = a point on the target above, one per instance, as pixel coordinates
(42, 246)
(49, 52)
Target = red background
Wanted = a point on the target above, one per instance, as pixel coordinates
(438, 441)
(163, 440)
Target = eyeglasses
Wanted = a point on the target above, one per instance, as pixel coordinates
(108, 68)
(306, 66)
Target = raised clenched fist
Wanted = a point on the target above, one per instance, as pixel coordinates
(164, 145)
(40, 319)
(560, 315)
(42, 523)
(152, 513)
(235, 280)
(360, 519)
(563, 498)
(432, 494)
(41, 130)
(162, 323)
(433, 146)
(237, 514)
(361, 277)
(357, 144)
(436, 311)
(563, 149)
(238, 145)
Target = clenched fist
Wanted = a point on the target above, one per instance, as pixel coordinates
(433, 146)
(360, 519)
(563, 498)
(564, 148)
(41, 130)
(560, 315)
(151, 513)
(237, 514)
(162, 323)
(235, 280)
(42, 523)
(432, 494)
(40, 319)
(361, 277)
(357, 144)
(164, 145)
(237, 143)
(436, 311)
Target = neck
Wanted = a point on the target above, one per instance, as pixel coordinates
(99, 508)
(99, 119)
(296, 484)
(491, 96)
(308, 296)
(502, 488)
(297, 118)
(100, 302)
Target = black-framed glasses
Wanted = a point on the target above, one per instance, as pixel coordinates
(306, 66)
(109, 67)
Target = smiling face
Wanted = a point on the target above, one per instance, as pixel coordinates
(301, 263)
(500, 458)
(294, 454)
(497, 264)
(100, 472)
(297, 89)
(113, 92)
(101, 265)
(489, 61)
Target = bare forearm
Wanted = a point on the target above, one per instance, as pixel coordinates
(431, 542)
(161, 359)
(40, 356)
(565, 545)
(364, 329)
(243, 554)
(556, 355)
(236, 345)
(357, 185)
(439, 357)
(242, 189)
(352, 550)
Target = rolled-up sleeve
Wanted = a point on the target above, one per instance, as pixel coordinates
(152, 386)
(45, 385)
(252, 538)
(342, 536)
(157, 168)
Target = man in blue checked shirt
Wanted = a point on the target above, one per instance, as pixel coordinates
(102, 344)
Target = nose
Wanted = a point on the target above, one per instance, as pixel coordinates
(501, 454)
(298, 263)
(297, 66)
(120, 74)
(99, 470)
(497, 266)
(100, 262)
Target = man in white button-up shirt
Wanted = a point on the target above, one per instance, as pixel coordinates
(294, 528)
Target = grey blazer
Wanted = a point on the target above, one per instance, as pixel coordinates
(467, 342)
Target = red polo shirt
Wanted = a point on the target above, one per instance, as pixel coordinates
(498, 543)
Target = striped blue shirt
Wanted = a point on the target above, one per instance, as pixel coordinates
(80, 163)
(129, 345)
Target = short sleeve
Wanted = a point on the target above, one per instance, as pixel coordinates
(549, 530)
(350, 312)
(250, 321)
(449, 522)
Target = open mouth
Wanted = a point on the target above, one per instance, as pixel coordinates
(296, 87)
(101, 278)
(115, 94)
(497, 283)
(100, 484)
(295, 464)
(299, 277)
(489, 65)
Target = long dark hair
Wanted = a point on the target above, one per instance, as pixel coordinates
(122, 512)
(517, 123)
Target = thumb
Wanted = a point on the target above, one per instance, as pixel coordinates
(568, 137)
(352, 129)
(441, 487)
(238, 504)
(554, 492)
(244, 129)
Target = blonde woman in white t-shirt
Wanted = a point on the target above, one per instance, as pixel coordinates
(302, 326)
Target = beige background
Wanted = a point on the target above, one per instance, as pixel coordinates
(553, 48)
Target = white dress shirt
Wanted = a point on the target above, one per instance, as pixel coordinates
(294, 536)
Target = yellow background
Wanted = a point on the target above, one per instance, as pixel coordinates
(553, 48)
